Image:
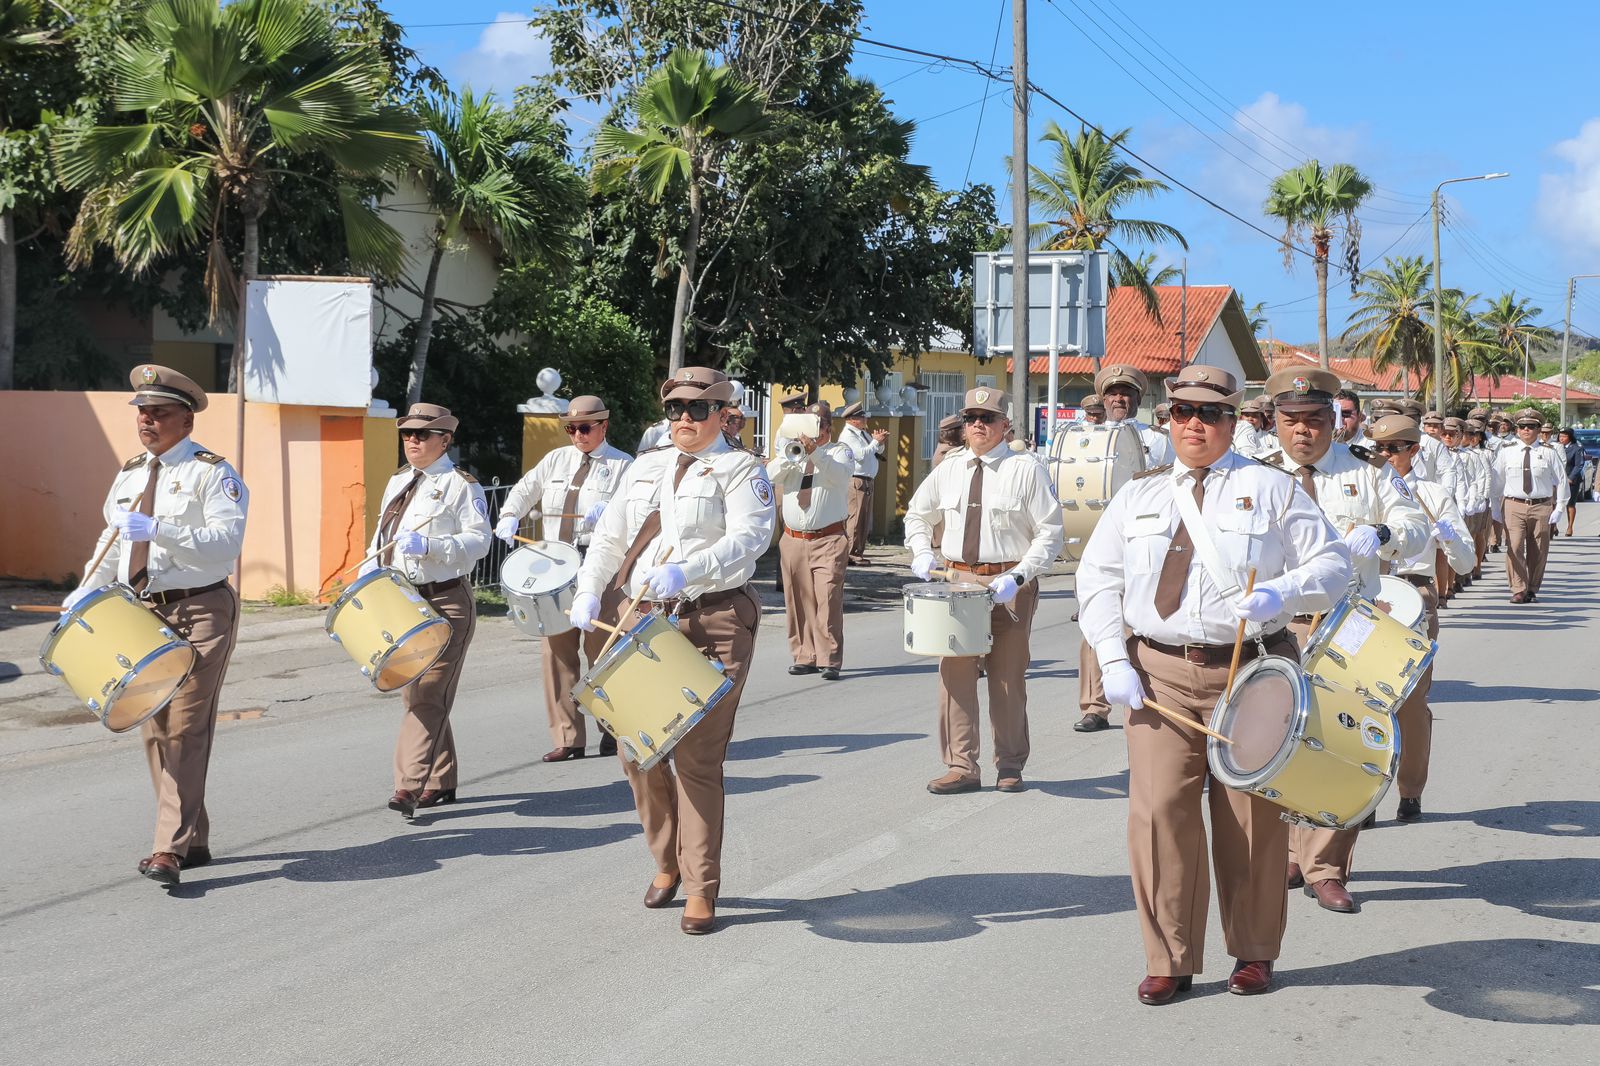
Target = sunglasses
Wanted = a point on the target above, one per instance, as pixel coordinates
(1397, 447)
(418, 434)
(1208, 413)
(697, 410)
(988, 418)
(574, 428)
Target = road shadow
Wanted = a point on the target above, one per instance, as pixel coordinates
(1109, 787)
(918, 666)
(1528, 982)
(821, 744)
(1564, 889)
(1454, 690)
(614, 797)
(1551, 818)
(9, 672)
(938, 909)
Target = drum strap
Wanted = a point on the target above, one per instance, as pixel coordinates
(1226, 580)
(649, 529)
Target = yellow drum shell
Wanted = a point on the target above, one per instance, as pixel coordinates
(118, 657)
(386, 626)
(1312, 747)
(1361, 648)
(948, 618)
(651, 688)
(1088, 464)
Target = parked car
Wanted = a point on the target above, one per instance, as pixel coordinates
(1590, 440)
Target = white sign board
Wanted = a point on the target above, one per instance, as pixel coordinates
(308, 341)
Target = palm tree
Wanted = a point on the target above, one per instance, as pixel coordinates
(491, 170)
(231, 99)
(1511, 322)
(1321, 203)
(1391, 323)
(1468, 344)
(1141, 274)
(1084, 192)
(689, 112)
(1256, 315)
(20, 36)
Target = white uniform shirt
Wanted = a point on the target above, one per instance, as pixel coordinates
(830, 487)
(1353, 492)
(1549, 469)
(865, 453)
(1460, 552)
(1247, 439)
(1258, 517)
(654, 437)
(1434, 463)
(1021, 518)
(718, 521)
(1474, 480)
(544, 488)
(451, 502)
(200, 510)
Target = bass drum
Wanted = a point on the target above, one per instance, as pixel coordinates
(1088, 464)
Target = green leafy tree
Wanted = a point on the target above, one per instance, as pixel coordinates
(1142, 275)
(495, 171)
(1510, 322)
(1392, 322)
(232, 100)
(689, 112)
(1320, 203)
(1256, 315)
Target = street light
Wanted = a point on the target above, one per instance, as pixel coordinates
(1566, 338)
(1438, 313)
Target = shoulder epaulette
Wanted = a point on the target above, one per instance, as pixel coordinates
(658, 448)
(402, 470)
(1367, 455)
(208, 457)
(1271, 465)
(1152, 472)
(136, 462)
(466, 476)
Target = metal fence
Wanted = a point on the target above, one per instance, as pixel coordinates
(486, 574)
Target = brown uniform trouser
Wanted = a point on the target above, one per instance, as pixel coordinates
(177, 742)
(1478, 526)
(1527, 542)
(561, 667)
(680, 799)
(813, 589)
(1007, 663)
(1091, 685)
(1416, 720)
(1167, 775)
(425, 730)
(859, 524)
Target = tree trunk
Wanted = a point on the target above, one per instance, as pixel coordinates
(1322, 310)
(419, 348)
(8, 299)
(249, 263)
(691, 248)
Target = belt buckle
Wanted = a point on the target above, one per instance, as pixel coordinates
(1196, 654)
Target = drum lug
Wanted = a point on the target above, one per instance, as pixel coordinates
(1338, 659)
(1313, 743)
(1373, 770)
(629, 750)
(169, 634)
(1417, 644)
(355, 601)
(366, 671)
(388, 638)
(1377, 705)
(52, 668)
(644, 649)
(644, 738)
(124, 662)
(600, 694)
(80, 620)
(93, 705)
(1269, 793)
(717, 663)
(1386, 688)
(1319, 681)
(335, 637)
(1331, 819)
(693, 697)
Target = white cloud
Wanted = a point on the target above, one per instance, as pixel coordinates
(509, 53)
(1569, 202)
(1268, 136)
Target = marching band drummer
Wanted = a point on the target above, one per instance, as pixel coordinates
(569, 488)
(711, 505)
(1377, 514)
(1139, 571)
(436, 517)
(1396, 438)
(1002, 528)
(175, 518)
(814, 549)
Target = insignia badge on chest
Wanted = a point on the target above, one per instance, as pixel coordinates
(175, 487)
(1244, 503)
(1351, 490)
(437, 494)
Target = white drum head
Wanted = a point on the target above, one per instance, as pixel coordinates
(531, 571)
(1401, 599)
(1263, 718)
(944, 590)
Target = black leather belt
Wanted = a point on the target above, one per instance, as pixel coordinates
(161, 599)
(433, 588)
(700, 603)
(1541, 499)
(1209, 654)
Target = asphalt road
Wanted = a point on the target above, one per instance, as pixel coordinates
(864, 920)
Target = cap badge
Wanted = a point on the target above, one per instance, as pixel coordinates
(148, 375)
(1301, 386)
(982, 396)
(687, 375)
(1200, 375)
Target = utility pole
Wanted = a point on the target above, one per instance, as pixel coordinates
(1021, 413)
(1438, 313)
(1183, 318)
(1566, 339)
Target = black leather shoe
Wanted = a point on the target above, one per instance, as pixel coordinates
(1410, 810)
(802, 668)
(830, 673)
(1369, 821)
(404, 801)
(608, 745)
(197, 856)
(656, 898)
(1091, 723)
(436, 797)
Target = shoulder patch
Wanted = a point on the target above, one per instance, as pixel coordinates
(1152, 472)
(137, 461)
(466, 476)
(1402, 488)
(1367, 455)
(763, 489)
(208, 457)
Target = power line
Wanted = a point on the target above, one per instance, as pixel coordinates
(994, 50)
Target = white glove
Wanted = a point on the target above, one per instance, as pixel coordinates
(922, 566)
(585, 608)
(75, 597)
(1363, 542)
(368, 567)
(1122, 686)
(665, 581)
(506, 528)
(411, 543)
(1444, 531)
(134, 526)
(592, 515)
(1498, 516)
(1004, 589)
(1555, 516)
(1261, 605)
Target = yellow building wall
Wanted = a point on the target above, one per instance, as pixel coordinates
(541, 435)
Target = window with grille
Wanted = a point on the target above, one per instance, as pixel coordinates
(943, 398)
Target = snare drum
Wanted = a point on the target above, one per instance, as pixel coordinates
(388, 628)
(1360, 648)
(540, 585)
(1088, 464)
(946, 618)
(118, 657)
(1401, 600)
(1310, 746)
(651, 688)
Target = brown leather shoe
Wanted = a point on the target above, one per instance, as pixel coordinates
(436, 797)
(404, 801)
(1010, 783)
(1332, 896)
(1519, 597)
(1155, 991)
(699, 926)
(162, 867)
(656, 898)
(196, 856)
(562, 754)
(1296, 879)
(954, 783)
(1250, 978)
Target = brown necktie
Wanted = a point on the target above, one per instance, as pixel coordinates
(1175, 567)
(806, 478)
(391, 518)
(569, 506)
(972, 527)
(139, 554)
(648, 530)
(1307, 482)
(1527, 472)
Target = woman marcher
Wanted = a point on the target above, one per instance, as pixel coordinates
(1572, 452)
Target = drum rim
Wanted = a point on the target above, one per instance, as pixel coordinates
(53, 638)
(377, 667)
(1329, 625)
(627, 639)
(944, 590)
(1291, 737)
(133, 672)
(576, 561)
(360, 583)
(1394, 581)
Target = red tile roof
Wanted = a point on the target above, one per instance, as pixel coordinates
(1135, 338)
(1367, 378)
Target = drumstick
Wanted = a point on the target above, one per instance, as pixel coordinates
(1184, 720)
(533, 546)
(1238, 639)
(625, 615)
(38, 608)
(45, 608)
(420, 527)
(608, 628)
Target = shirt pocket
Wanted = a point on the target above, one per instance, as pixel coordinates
(1148, 538)
(554, 498)
(181, 507)
(699, 506)
(640, 501)
(950, 505)
(1241, 536)
(1005, 514)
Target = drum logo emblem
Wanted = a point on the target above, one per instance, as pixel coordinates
(1346, 721)
(1374, 735)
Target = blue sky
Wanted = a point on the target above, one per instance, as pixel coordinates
(1412, 94)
